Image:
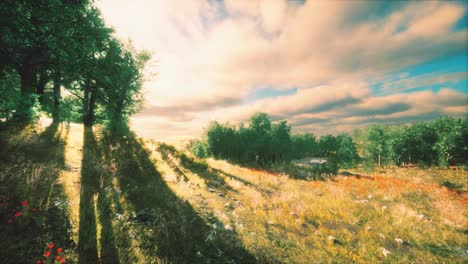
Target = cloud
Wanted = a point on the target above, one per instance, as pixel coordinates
(185, 111)
(422, 80)
(212, 54)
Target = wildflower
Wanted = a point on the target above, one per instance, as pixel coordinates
(59, 250)
(47, 254)
(10, 221)
(24, 203)
(62, 260)
(399, 240)
(39, 262)
(34, 209)
(18, 214)
(51, 245)
(57, 257)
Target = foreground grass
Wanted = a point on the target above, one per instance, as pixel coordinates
(396, 216)
(108, 199)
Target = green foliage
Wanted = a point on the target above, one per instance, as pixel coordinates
(265, 143)
(10, 96)
(441, 142)
(304, 145)
(54, 45)
(347, 154)
(198, 148)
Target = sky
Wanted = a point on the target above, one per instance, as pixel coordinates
(324, 66)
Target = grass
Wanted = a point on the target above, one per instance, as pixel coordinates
(125, 200)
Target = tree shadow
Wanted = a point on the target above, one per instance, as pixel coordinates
(94, 204)
(171, 229)
(243, 181)
(210, 176)
(357, 175)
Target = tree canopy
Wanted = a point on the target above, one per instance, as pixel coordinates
(49, 46)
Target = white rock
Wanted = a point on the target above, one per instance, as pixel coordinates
(385, 252)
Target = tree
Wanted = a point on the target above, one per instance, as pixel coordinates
(346, 155)
(451, 144)
(304, 145)
(378, 144)
(280, 142)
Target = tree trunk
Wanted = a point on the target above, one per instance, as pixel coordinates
(26, 73)
(379, 157)
(23, 111)
(89, 105)
(57, 98)
(40, 85)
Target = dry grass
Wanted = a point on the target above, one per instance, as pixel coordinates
(138, 202)
(400, 215)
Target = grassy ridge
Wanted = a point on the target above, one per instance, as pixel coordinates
(124, 200)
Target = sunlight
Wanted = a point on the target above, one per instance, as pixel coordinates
(71, 176)
(233, 131)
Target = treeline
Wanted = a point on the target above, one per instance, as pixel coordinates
(262, 142)
(48, 46)
(441, 142)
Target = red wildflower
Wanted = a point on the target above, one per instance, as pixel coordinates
(51, 245)
(57, 257)
(59, 250)
(62, 260)
(39, 262)
(10, 221)
(18, 214)
(34, 209)
(24, 203)
(47, 254)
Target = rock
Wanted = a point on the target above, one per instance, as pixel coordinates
(385, 252)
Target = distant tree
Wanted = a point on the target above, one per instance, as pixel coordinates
(346, 155)
(280, 142)
(452, 141)
(304, 145)
(260, 126)
(377, 146)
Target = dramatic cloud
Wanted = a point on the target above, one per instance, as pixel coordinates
(211, 55)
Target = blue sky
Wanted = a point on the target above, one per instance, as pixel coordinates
(324, 66)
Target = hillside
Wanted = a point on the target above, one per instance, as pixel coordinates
(126, 200)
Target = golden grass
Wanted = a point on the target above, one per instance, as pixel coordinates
(401, 215)
(395, 215)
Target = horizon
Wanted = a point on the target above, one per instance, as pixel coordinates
(354, 64)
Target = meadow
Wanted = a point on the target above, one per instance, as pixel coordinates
(102, 199)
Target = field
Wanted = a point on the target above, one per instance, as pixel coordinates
(128, 200)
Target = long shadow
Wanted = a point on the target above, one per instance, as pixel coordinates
(245, 182)
(175, 232)
(87, 238)
(211, 178)
(95, 203)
